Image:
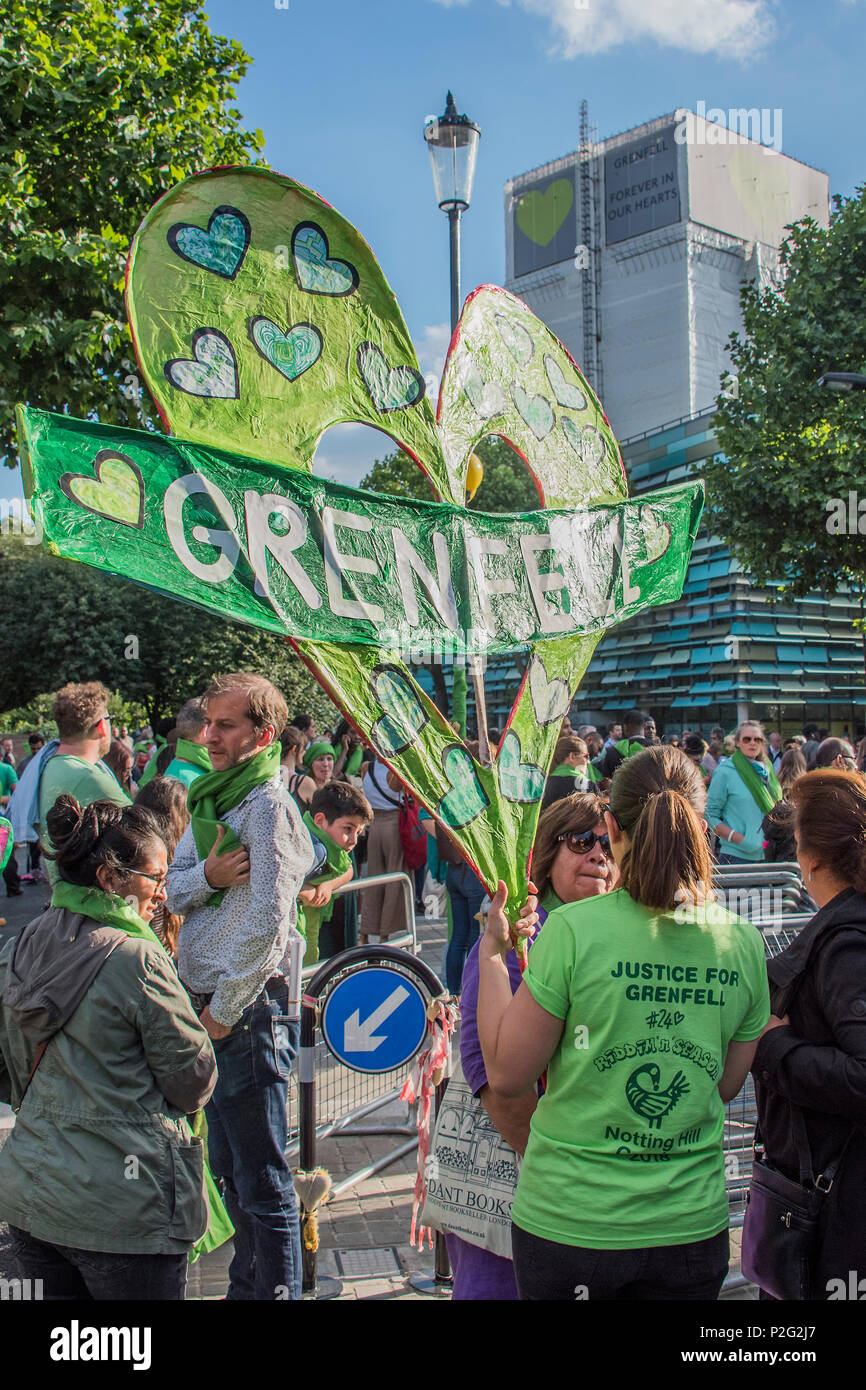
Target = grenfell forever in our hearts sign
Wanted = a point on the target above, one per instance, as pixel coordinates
(260, 318)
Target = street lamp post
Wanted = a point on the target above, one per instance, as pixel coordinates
(452, 143)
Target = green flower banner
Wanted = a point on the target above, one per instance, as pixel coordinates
(260, 318)
(310, 558)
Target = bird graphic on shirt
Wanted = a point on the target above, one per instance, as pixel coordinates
(653, 1105)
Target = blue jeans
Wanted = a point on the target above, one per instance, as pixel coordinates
(547, 1271)
(70, 1274)
(247, 1136)
(466, 895)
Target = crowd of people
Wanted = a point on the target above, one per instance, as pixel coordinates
(191, 871)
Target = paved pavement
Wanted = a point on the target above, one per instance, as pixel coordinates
(364, 1230)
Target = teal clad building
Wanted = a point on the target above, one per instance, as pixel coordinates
(728, 649)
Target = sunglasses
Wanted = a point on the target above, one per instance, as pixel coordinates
(582, 842)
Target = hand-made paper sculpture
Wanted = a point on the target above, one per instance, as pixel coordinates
(261, 317)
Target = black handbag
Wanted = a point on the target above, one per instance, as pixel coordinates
(780, 1228)
(781, 1223)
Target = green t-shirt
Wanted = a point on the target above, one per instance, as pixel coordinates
(85, 781)
(8, 779)
(625, 1149)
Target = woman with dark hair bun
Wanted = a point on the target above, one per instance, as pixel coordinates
(102, 1058)
(810, 1066)
(644, 1006)
(165, 798)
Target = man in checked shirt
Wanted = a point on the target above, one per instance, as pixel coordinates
(235, 879)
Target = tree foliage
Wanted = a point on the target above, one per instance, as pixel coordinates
(789, 445)
(507, 485)
(103, 107)
(67, 622)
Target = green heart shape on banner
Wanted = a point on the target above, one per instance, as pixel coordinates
(213, 369)
(438, 572)
(535, 410)
(540, 215)
(465, 799)
(565, 392)
(390, 388)
(487, 397)
(515, 338)
(550, 698)
(220, 249)
(657, 534)
(292, 353)
(116, 491)
(586, 441)
(400, 728)
(316, 273)
(518, 781)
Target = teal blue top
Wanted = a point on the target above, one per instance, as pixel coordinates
(183, 772)
(729, 800)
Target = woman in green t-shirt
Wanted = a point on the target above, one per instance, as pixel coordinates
(644, 1007)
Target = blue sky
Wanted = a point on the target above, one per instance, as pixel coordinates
(341, 90)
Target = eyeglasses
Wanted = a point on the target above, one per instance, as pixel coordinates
(582, 843)
(159, 879)
(751, 738)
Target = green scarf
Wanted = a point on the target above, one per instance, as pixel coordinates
(628, 747)
(336, 864)
(318, 750)
(194, 753)
(550, 902)
(353, 762)
(213, 795)
(111, 909)
(563, 770)
(338, 860)
(764, 794)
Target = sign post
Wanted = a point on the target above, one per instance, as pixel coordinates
(373, 1020)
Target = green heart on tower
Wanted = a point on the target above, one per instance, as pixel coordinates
(234, 522)
(540, 215)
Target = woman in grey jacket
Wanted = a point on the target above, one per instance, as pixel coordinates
(101, 1180)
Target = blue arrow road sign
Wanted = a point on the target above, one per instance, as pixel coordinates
(374, 1020)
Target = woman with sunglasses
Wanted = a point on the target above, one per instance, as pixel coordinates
(643, 1007)
(572, 859)
(101, 1181)
(744, 790)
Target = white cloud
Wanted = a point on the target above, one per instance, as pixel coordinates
(730, 28)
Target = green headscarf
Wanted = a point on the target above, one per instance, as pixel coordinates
(319, 749)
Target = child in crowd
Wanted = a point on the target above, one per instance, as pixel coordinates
(337, 815)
